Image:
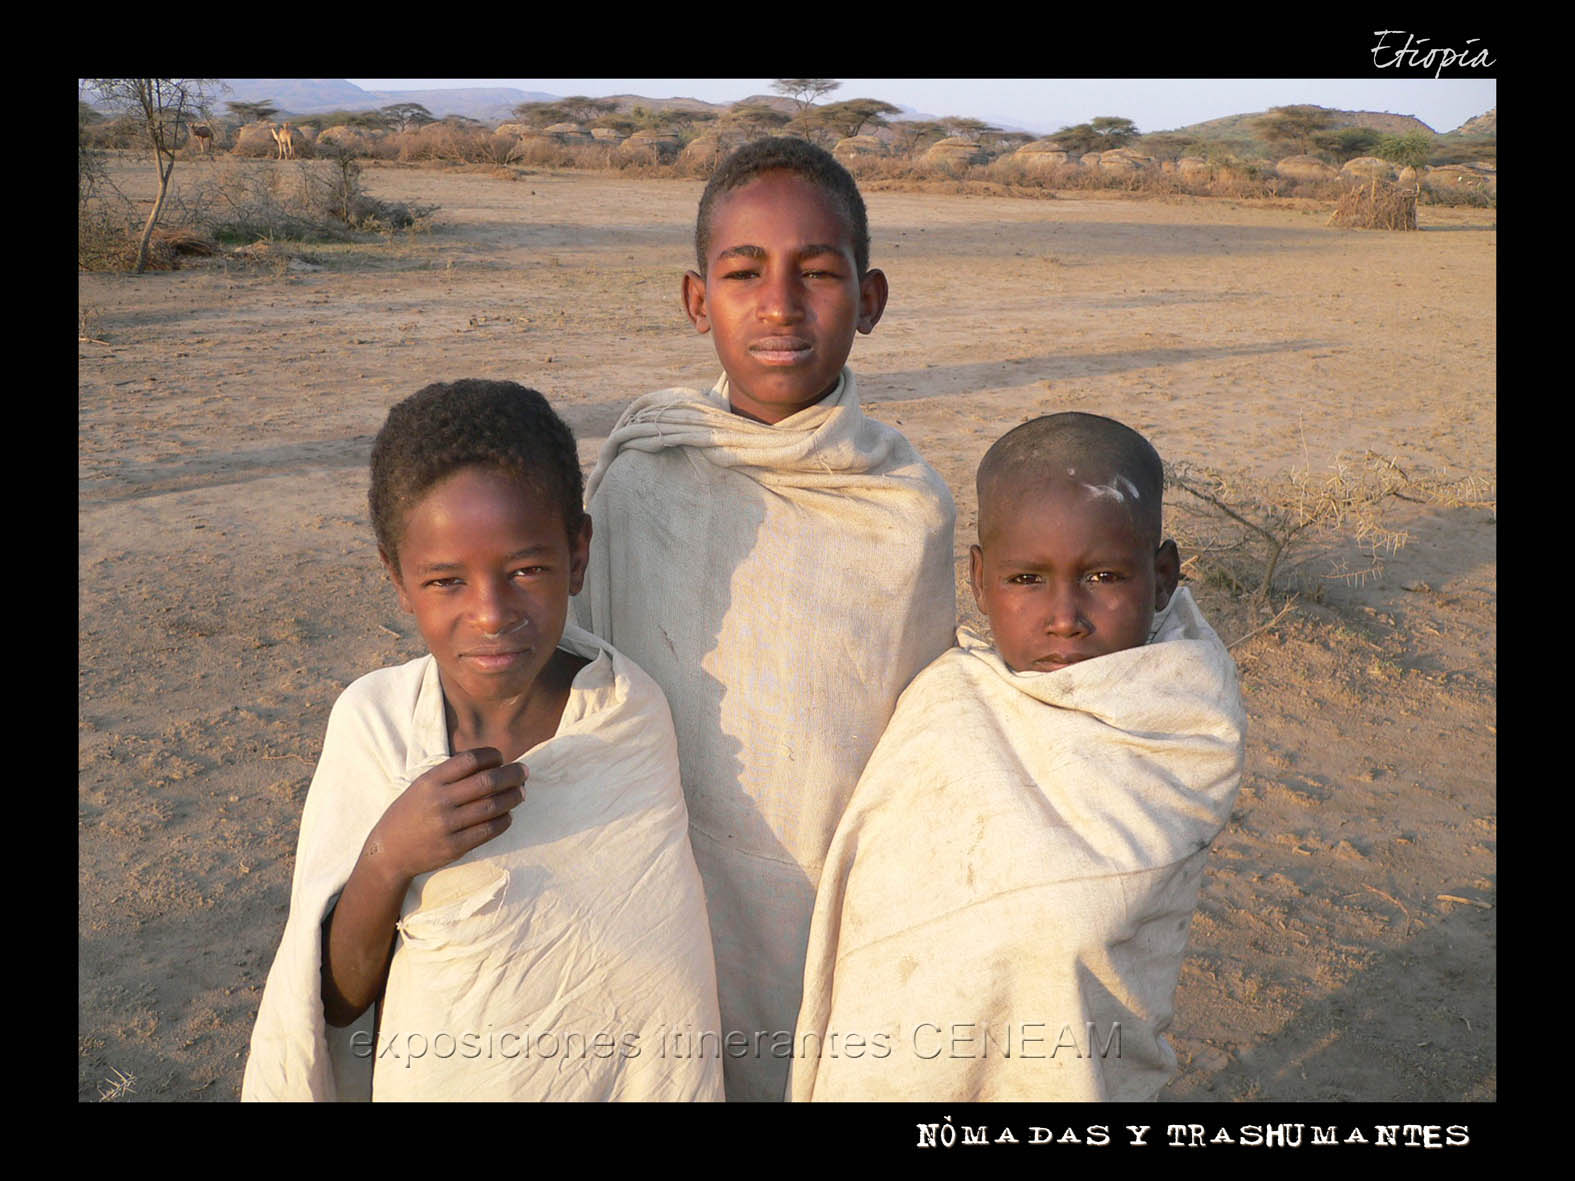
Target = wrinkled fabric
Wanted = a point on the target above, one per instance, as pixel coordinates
(783, 584)
(567, 958)
(1005, 906)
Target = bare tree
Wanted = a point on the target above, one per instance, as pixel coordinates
(163, 106)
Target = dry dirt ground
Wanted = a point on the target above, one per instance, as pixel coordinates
(1344, 945)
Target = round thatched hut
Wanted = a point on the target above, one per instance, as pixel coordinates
(1041, 155)
(657, 147)
(1124, 161)
(1367, 168)
(955, 153)
(859, 147)
(1304, 168)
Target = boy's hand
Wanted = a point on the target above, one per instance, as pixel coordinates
(461, 803)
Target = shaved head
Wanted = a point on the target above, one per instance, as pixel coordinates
(1109, 460)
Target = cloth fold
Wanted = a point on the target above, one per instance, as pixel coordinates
(783, 584)
(1006, 902)
(567, 958)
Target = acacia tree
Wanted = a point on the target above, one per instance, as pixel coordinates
(848, 118)
(754, 118)
(1411, 150)
(581, 109)
(1097, 135)
(914, 133)
(804, 91)
(404, 116)
(540, 114)
(1296, 126)
(257, 112)
(162, 106)
(1347, 143)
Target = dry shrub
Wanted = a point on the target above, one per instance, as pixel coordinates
(542, 151)
(317, 201)
(1377, 205)
(1254, 537)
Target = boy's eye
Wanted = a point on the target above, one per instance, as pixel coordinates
(1023, 580)
(1104, 576)
(442, 583)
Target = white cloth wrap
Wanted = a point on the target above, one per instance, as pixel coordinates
(1021, 858)
(581, 931)
(783, 584)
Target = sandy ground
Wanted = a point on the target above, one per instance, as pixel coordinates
(1344, 946)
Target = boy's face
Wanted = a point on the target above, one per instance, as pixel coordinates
(1067, 573)
(782, 296)
(487, 570)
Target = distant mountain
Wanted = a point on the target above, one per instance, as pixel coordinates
(1484, 124)
(308, 96)
(1242, 126)
(315, 96)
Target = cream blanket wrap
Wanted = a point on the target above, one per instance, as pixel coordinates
(783, 584)
(568, 958)
(1021, 858)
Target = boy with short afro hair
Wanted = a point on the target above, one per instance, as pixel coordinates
(1006, 901)
(446, 918)
(778, 561)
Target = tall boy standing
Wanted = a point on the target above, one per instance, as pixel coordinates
(778, 562)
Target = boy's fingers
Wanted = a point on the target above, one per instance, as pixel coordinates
(468, 762)
(465, 764)
(479, 834)
(487, 810)
(490, 782)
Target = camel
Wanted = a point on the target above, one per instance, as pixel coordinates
(203, 134)
(285, 138)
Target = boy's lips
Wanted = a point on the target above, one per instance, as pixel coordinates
(1054, 660)
(495, 659)
(781, 350)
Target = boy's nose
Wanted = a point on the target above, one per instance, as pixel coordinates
(781, 299)
(495, 612)
(1064, 616)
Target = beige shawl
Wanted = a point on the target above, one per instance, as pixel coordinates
(1014, 877)
(568, 958)
(783, 584)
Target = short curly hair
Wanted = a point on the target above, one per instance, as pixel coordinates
(471, 423)
(800, 158)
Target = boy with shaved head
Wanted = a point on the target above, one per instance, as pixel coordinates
(1005, 904)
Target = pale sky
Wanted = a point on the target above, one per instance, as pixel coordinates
(1044, 105)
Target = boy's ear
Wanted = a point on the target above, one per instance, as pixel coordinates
(872, 299)
(579, 554)
(693, 294)
(976, 574)
(393, 576)
(1167, 574)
